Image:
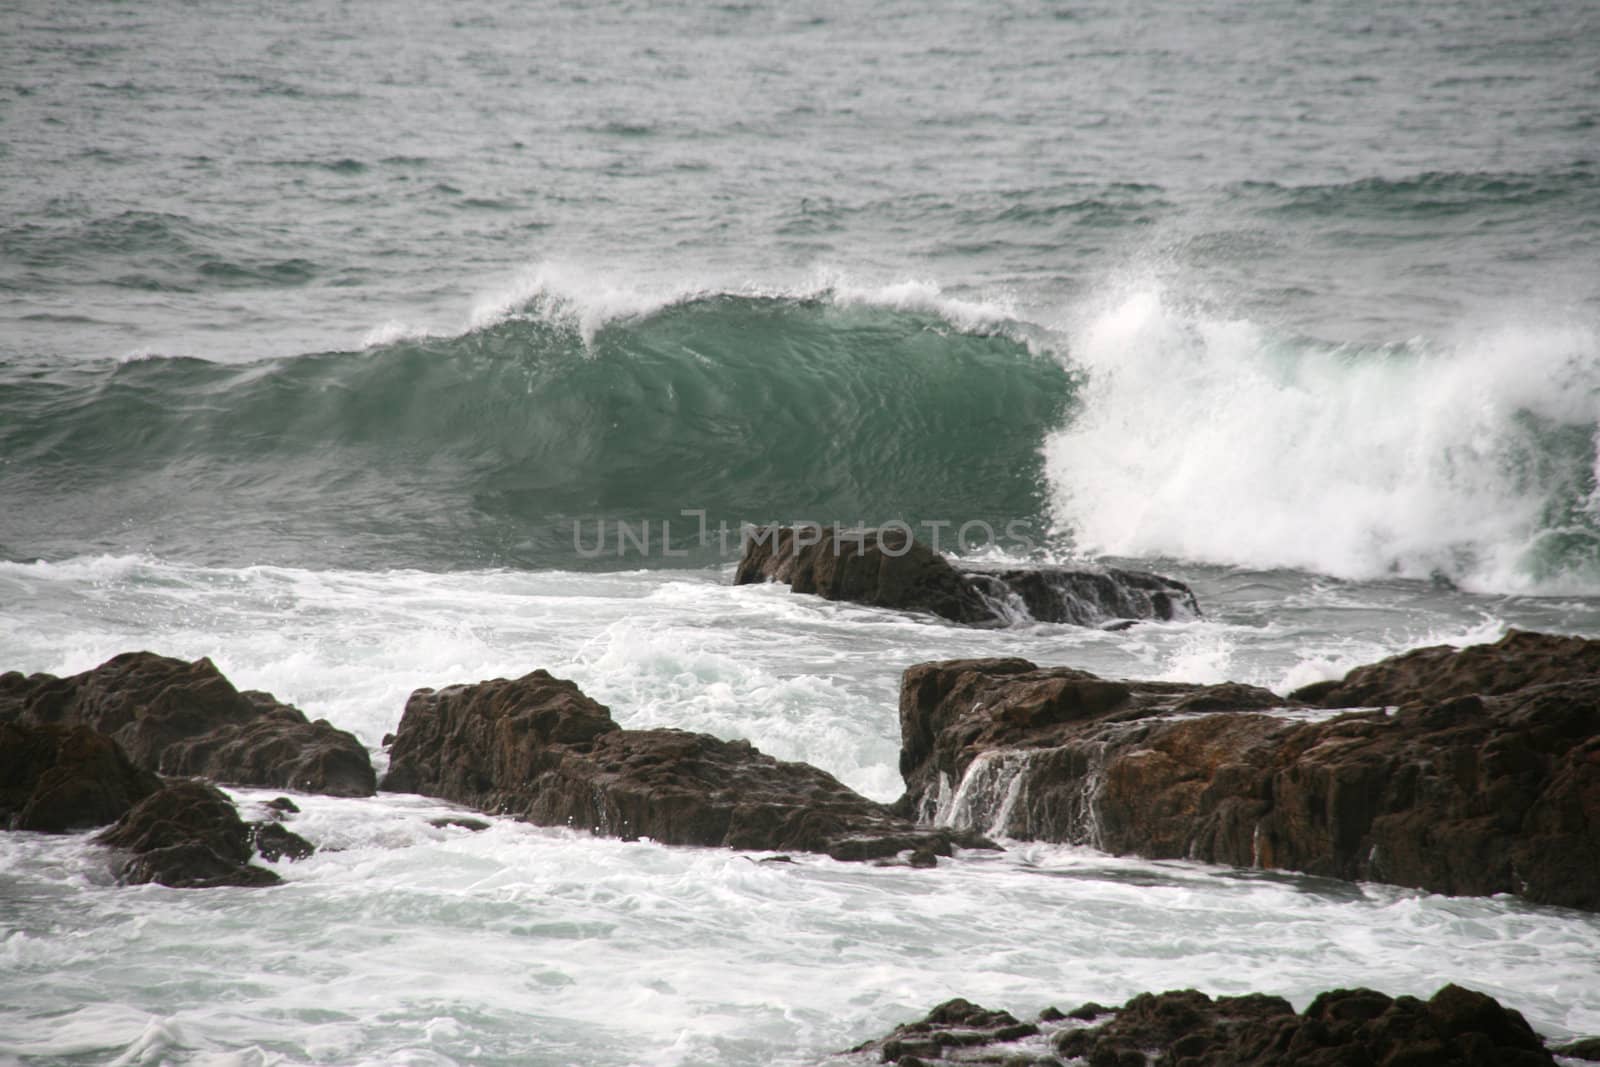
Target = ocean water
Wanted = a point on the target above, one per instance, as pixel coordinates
(338, 344)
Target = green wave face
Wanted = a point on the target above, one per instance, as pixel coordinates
(486, 448)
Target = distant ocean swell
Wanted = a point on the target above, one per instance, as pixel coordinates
(485, 448)
(1143, 429)
(75, 240)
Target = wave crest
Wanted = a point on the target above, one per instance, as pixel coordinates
(485, 447)
(1211, 439)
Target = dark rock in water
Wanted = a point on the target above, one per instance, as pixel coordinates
(888, 568)
(957, 1026)
(188, 836)
(1517, 661)
(60, 778)
(1088, 597)
(881, 568)
(473, 825)
(1470, 794)
(274, 842)
(1343, 1028)
(538, 748)
(956, 712)
(1586, 1049)
(283, 806)
(279, 749)
(180, 718)
(192, 865)
(1456, 1027)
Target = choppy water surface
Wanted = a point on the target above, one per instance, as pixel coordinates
(323, 328)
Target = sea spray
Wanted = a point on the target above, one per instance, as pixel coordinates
(1208, 438)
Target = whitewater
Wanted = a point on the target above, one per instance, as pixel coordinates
(328, 335)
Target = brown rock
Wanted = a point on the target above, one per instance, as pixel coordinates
(888, 568)
(274, 842)
(59, 778)
(1518, 660)
(538, 748)
(1465, 794)
(180, 718)
(1343, 1028)
(1186, 1028)
(882, 568)
(188, 836)
(955, 1024)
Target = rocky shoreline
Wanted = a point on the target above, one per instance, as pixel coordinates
(1477, 773)
(536, 747)
(1460, 771)
(1456, 1027)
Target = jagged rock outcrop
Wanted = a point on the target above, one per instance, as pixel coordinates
(538, 748)
(188, 835)
(61, 778)
(1519, 660)
(180, 718)
(1456, 1027)
(957, 1029)
(1468, 794)
(888, 568)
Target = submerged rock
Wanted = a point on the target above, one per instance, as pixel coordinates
(189, 836)
(180, 718)
(1466, 794)
(275, 842)
(888, 568)
(538, 748)
(60, 778)
(1457, 1027)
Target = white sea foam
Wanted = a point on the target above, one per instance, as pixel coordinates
(974, 315)
(516, 944)
(405, 942)
(583, 298)
(587, 300)
(1208, 438)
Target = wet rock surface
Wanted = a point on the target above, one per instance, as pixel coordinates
(1587, 1049)
(1466, 794)
(1518, 661)
(1083, 597)
(961, 1031)
(61, 778)
(538, 748)
(177, 717)
(1456, 1027)
(880, 568)
(189, 835)
(888, 568)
